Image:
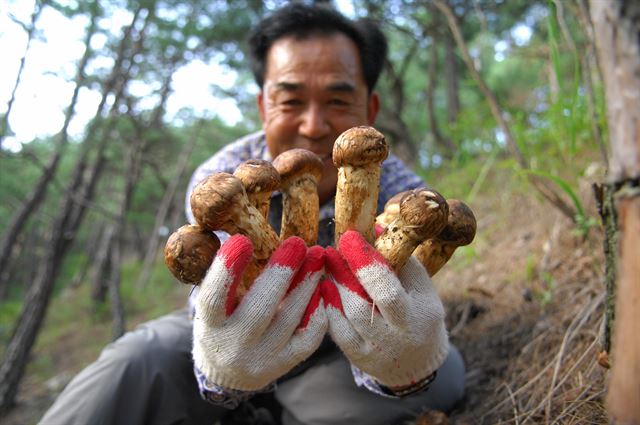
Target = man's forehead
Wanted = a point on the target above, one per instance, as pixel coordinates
(292, 63)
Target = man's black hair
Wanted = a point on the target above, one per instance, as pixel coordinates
(301, 21)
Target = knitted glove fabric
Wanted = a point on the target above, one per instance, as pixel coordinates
(401, 340)
(278, 323)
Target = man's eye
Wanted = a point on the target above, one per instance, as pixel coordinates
(292, 102)
(338, 102)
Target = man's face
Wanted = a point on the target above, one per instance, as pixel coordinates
(314, 90)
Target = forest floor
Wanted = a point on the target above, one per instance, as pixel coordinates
(524, 303)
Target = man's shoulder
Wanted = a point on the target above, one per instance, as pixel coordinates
(252, 145)
(231, 155)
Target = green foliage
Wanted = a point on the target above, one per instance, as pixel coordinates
(157, 297)
(9, 312)
(544, 295)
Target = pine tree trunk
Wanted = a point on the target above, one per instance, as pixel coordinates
(451, 74)
(132, 173)
(100, 268)
(617, 30)
(117, 308)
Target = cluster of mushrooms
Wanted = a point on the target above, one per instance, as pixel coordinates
(419, 222)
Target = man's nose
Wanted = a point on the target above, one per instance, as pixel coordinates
(314, 123)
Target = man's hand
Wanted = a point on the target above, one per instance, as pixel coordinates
(389, 326)
(278, 323)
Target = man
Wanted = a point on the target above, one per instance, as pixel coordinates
(317, 72)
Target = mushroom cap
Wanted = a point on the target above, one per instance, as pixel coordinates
(296, 162)
(425, 210)
(189, 252)
(359, 146)
(212, 199)
(258, 176)
(392, 206)
(461, 224)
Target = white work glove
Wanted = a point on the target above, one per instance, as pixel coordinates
(278, 323)
(402, 340)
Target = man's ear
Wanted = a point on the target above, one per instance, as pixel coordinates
(373, 107)
(260, 103)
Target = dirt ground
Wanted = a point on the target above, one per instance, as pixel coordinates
(524, 306)
(526, 315)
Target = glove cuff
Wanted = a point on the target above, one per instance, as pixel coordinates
(213, 374)
(432, 360)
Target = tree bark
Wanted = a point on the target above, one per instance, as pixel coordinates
(100, 268)
(117, 308)
(617, 30)
(451, 75)
(132, 174)
(91, 245)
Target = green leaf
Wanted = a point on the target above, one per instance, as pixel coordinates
(562, 184)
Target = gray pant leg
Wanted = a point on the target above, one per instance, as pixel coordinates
(145, 377)
(327, 394)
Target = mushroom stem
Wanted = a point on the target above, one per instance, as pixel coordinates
(358, 153)
(422, 214)
(300, 170)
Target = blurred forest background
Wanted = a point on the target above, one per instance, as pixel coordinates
(489, 100)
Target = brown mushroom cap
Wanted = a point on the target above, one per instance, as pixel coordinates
(295, 162)
(392, 208)
(425, 211)
(258, 175)
(189, 252)
(359, 146)
(461, 224)
(212, 199)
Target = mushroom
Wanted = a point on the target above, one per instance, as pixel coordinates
(300, 170)
(189, 252)
(358, 153)
(259, 179)
(422, 213)
(219, 202)
(434, 252)
(459, 231)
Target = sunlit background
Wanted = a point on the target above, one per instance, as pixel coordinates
(46, 84)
